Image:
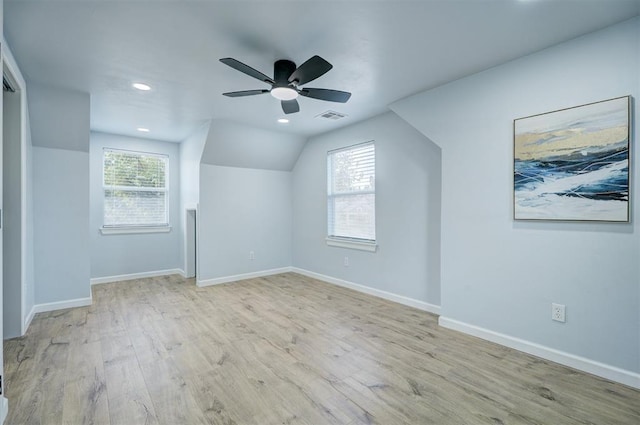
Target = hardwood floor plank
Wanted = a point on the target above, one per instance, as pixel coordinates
(44, 392)
(85, 391)
(172, 399)
(129, 400)
(283, 349)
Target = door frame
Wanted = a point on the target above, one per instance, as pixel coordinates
(10, 66)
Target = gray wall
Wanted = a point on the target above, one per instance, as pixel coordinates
(61, 224)
(190, 155)
(12, 215)
(59, 117)
(407, 211)
(122, 254)
(60, 179)
(243, 210)
(29, 295)
(18, 264)
(503, 275)
(2, 411)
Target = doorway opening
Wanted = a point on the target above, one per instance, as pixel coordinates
(191, 244)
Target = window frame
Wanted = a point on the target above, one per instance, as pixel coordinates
(110, 229)
(346, 241)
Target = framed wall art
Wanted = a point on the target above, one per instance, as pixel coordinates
(573, 164)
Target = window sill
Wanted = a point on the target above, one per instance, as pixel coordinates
(353, 244)
(133, 230)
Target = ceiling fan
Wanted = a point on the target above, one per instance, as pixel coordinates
(286, 82)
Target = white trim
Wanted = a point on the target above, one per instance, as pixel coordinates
(401, 299)
(131, 276)
(132, 230)
(61, 305)
(352, 244)
(235, 278)
(28, 319)
(612, 373)
(4, 409)
(8, 60)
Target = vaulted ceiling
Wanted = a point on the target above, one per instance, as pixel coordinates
(381, 51)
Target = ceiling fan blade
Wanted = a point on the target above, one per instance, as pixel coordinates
(290, 106)
(245, 93)
(310, 70)
(246, 69)
(326, 94)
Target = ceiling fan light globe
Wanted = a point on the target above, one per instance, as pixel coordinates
(284, 93)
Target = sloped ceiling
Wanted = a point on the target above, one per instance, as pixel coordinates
(239, 145)
(382, 51)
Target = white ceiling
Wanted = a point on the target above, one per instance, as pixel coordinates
(381, 51)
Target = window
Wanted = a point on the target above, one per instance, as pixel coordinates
(351, 198)
(135, 189)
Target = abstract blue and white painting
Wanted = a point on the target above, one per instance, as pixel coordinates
(573, 164)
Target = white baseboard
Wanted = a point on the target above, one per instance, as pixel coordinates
(60, 305)
(411, 302)
(612, 373)
(131, 276)
(235, 278)
(4, 409)
(27, 320)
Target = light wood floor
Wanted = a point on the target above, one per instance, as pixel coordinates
(282, 350)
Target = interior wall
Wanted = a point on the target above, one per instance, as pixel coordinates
(60, 117)
(501, 275)
(60, 136)
(29, 287)
(407, 261)
(12, 214)
(125, 254)
(4, 405)
(61, 225)
(243, 210)
(190, 156)
(21, 202)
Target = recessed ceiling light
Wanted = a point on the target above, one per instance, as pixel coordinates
(141, 86)
(283, 120)
(143, 130)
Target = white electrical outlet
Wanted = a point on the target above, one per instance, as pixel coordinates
(252, 255)
(346, 261)
(558, 312)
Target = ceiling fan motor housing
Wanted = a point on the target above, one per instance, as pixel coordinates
(282, 70)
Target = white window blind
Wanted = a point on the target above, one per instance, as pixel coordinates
(351, 198)
(135, 189)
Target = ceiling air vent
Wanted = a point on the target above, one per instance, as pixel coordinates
(331, 115)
